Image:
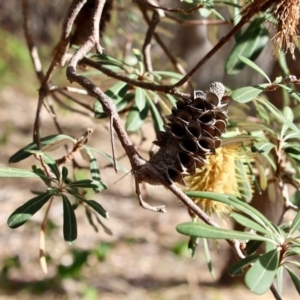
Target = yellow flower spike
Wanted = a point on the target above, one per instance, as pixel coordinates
(219, 175)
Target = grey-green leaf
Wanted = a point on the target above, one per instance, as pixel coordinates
(70, 223)
(140, 99)
(17, 173)
(294, 278)
(136, 119)
(47, 141)
(248, 223)
(237, 269)
(262, 147)
(295, 224)
(23, 213)
(261, 275)
(246, 94)
(210, 232)
(249, 44)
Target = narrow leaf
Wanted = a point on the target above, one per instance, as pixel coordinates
(140, 99)
(23, 213)
(108, 158)
(249, 44)
(210, 232)
(254, 66)
(70, 223)
(17, 173)
(51, 140)
(295, 224)
(261, 275)
(208, 258)
(262, 147)
(246, 94)
(136, 119)
(95, 171)
(85, 183)
(156, 117)
(294, 278)
(248, 223)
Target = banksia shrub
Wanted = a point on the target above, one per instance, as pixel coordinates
(192, 133)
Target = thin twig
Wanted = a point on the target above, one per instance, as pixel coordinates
(42, 255)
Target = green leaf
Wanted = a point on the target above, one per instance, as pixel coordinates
(140, 99)
(136, 119)
(156, 117)
(93, 204)
(244, 184)
(295, 224)
(248, 223)
(49, 161)
(210, 232)
(97, 207)
(23, 213)
(169, 74)
(64, 173)
(95, 171)
(261, 275)
(254, 66)
(249, 44)
(84, 183)
(294, 278)
(293, 152)
(279, 280)
(208, 258)
(108, 158)
(237, 269)
(252, 247)
(192, 245)
(262, 147)
(70, 223)
(278, 115)
(236, 203)
(49, 141)
(247, 93)
(18, 173)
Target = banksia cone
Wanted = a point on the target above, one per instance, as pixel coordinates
(193, 132)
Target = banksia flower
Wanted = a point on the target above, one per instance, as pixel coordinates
(192, 134)
(221, 174)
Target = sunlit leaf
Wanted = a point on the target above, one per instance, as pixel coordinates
(295, 224)
(23, 213)
(136, 119)
(70, 223)
(262, 147)
(17, 173)
(261, 275)
(108, 158)
(95, 171)
(246, 94)
(140, 99)
(156, 117)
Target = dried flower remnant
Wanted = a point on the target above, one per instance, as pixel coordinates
(286, 13)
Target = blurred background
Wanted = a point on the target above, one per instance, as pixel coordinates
(144, 258)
